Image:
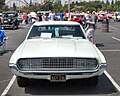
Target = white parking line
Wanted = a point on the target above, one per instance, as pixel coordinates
(113, 27)
(110, 50)
(118, 50)
(9, 86)
(107, 74)
(112, 81)
(4, 81)
(14, 77)
(116, 38)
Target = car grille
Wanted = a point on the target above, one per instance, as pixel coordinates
(40, 64)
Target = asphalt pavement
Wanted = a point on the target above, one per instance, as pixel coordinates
(107, 42)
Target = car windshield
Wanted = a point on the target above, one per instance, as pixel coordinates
(7, 15)
(56, 31)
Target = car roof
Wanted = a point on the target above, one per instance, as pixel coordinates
(56, 23)
(10, 12)
(0, 14)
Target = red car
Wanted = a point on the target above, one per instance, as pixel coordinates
(79, 18)
(101, 17)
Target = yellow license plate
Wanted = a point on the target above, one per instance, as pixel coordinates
(58, 77)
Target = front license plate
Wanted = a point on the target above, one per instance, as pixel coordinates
(58, 77)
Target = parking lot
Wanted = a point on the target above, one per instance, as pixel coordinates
(109, 84)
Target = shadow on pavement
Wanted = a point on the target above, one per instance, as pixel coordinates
(71, 87)
(5, 51)
(100, 45)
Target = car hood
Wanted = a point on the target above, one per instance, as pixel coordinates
(58, 48)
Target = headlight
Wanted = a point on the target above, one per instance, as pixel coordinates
(9, 20)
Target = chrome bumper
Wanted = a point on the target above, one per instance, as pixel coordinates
(75, 74)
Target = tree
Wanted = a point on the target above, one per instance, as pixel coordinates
(30, 3)
(109, 8)
(14, 6)
(2, 3)
(112, 2)
(57, 7)
(107, 2)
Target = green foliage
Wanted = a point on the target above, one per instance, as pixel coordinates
(2, 3)
(57, 7)
(112, 2)
(107, 2)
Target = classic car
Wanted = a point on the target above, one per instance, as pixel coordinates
(78, 18)
(10, 20)
(102, 17)
(57, 51)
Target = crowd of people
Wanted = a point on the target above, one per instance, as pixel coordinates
(88, 22)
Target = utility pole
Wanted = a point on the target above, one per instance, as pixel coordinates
(19, 6)
(68, 8)
(30, 2)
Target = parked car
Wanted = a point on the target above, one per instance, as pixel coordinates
(78, 18)
(57, 51)
(9, 19)
(0, 14)
(102, 17)
(116, 17)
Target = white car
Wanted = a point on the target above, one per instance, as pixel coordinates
(57, 51)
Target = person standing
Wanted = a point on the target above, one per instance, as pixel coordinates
(24, 17)
(2, 36)
(29, 19)
(91, 27)
(116, 14)
(0, 22)
(51, 16)
(86, 18)
(43, 17)
(61, 16)
(40, 16)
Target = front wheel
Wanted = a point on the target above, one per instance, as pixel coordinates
(13, 26)
(17, 26)
(22, 82)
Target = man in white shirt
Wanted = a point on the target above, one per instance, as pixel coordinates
(51, 16)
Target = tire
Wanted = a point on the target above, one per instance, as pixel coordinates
(93, 81)
(17, 27)
(17, 24)
(13, 26)
(22, 82)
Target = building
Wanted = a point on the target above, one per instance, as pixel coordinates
(18, 3)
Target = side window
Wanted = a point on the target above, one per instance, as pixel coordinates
(57, 34)
(39, 28)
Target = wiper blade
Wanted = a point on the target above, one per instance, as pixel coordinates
(68, 37)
